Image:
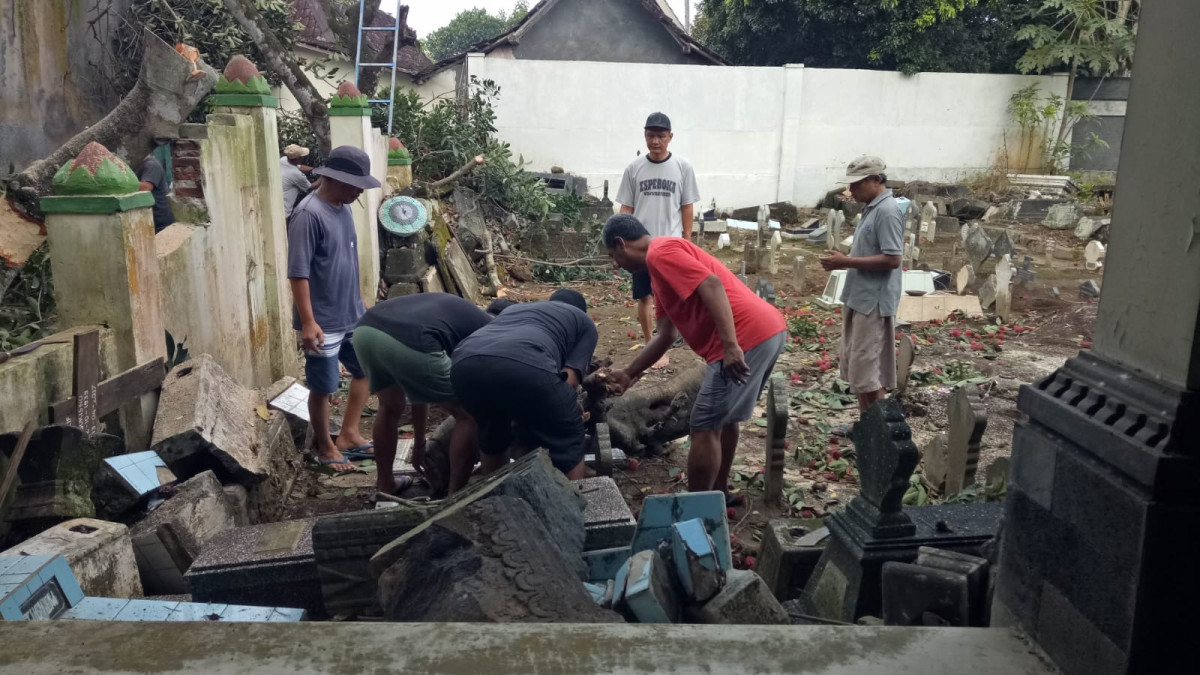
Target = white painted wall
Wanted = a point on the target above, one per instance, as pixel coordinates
(754, 135)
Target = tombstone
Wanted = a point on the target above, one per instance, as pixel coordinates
(777, 423)
(1003, 245)
(1089, 290)
(650, 591)
(776, 241)
(963, 231)
(987, 292)
(269, 564)
(910, 245)
(832, 231)
(928, 226)
(1062, 216)
(1025, 274)
(126, 482)
(99, 552)
(491, 561)
(1004, 276)
(404, 265)
(791, 548)
(977, 571)
(745, 600)
(946, 226)
(907, 349)
(751, 259)
(56, 474)
(935, 461)
(1093, 255)
(798, 273)
(92, 399)
(723, 241)
(661, 512)
(978, 245)
(963, 279)
(764, 226)
(607, 520)
(968, 420)
(819, 236)
(697, 564)
(765, 290)
(916, 595)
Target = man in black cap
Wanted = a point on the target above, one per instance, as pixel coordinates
(659, 189)
(323, 271)
(524, 368)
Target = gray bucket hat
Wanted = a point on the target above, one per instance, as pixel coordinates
(350, 165)
(863, 167)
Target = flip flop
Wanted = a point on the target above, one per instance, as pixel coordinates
(331, 462)
(360, 452)
(843, 430)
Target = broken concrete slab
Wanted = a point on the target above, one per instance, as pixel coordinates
(270, 564)
(206, 421)
(460, 269)
(492, 561)
(745, 599)
(431, 282)
(1062, 216)
(649, 590)
(914, 595)
(171, 536)
(785, 560)
(125, 482)
(660, 512)
(978, 245)
(976, 570)
(534, 479)
(56, 475)
(695, 558)
(607, 519)
(100, 554)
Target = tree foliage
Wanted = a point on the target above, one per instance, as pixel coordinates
(907, 35)
(1077, 34)
(203, 24)
(469, 27)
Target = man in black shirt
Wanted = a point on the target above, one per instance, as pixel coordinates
(404, 347)
(152, 177)
(524, 368)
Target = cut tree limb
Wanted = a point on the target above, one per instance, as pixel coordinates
(648, 416)
(495, 288)
(165, 94)
(435, 188)
(281, 62)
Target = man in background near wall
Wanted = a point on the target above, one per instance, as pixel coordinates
(295, 183)
(873, 281)
(659, 189)
(154, 178)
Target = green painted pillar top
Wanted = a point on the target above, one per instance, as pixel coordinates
(96, 181)
(398, 155)
(242, 85)
(348, 101)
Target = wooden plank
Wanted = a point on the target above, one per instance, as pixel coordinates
(113, 393)
(86, 378)
(18, 452)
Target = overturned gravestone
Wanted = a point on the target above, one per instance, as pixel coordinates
(1003, 245)
(745, 599)
(127, 481)
(978, 245)
(607, 519)
(171, 536)
(968, 421)
(490, 561)
(790, 550)
(98, 551)
(968, 209)
(56, 474)
(206, 421)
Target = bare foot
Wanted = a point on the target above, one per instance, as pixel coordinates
(661, 363)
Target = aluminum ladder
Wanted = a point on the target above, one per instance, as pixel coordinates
(359, 65)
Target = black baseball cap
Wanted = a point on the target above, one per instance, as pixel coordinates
(658, 121)
(350, 165)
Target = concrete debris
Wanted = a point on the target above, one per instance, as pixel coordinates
(789, 554)
(649, 591)
(56, 474)
(1089, 290)
(1062, 216)
(695, 556)
(607, 519)
(745, 599)
(100, 554)
(125, 482)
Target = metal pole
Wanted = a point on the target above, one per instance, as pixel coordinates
(395, 51)
(358, 47)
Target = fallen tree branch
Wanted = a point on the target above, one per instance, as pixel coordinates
(602, 262)
(489, 261)
(429, 190)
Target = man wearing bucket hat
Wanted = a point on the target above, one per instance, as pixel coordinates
(873, 279)
(295, 184)
(323, 272)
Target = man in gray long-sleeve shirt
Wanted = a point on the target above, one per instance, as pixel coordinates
(291, 170)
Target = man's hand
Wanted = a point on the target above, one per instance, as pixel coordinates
(417, 460)
(311, 337)
(734, 363)
(617, 382)
(835, 260)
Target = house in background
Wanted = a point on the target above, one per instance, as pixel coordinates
(622, 31)
(329, 63)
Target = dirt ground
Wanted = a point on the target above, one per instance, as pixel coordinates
(1046, 329)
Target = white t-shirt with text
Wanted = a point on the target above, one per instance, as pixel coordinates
(657, 191)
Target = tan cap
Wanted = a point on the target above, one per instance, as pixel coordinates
(863, 167)
(295, 151)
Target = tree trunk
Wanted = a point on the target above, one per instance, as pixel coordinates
(1065, 125)
(280, 61)
(162, 98)
(646, 417)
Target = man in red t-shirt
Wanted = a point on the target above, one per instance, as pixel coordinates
(737, 332)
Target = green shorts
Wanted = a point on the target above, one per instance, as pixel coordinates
(387, 361)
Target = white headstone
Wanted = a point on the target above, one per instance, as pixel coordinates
(722, 241)
(776, 240)
(1004, 275)
(963, 279)
(1093, 255)
(964, 231)
(798, 273)
(929, 214)
(835, 231)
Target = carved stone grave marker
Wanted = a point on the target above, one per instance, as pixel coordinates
(1004, 276)
(968, 420)
(777, 421)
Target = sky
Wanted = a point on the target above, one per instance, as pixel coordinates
(426, 16)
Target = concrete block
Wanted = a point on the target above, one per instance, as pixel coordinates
(402, 289)
(270, 564)
(607, 519)
(404, 264)
(100, 554)
(660, 512)
(649, 590)
(36, 587)
(914, 595)
(790, 550)
(125, 482)
(745, 599)
(695, 559)
(170, 537)
(976, 570)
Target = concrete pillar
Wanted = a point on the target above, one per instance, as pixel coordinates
(350, 124)
(101, 234)
(399, 166)
(241, 90)
(1103, 505)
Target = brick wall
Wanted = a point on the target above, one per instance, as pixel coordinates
(185, 154)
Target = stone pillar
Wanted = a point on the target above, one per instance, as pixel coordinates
(399, 170)
(101, 234)
(241, 90)
(1103, 505)
(350, 124)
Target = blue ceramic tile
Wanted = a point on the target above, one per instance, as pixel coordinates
(596, 591)
(10, 601)
(7, 561)
(30, 564)
(145, 610)
(695, 559)
(197, 611)
(287, 614)
(119, 462)
(603, 564)
(660, 512)
(237, 613)
(96, 609)
(649, 593)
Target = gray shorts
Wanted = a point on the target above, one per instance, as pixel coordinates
(722, 401)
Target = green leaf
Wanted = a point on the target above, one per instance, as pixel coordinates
(349, 492)
(674, 472)
(761, 422)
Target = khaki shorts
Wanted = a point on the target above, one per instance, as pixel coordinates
(868, 359)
